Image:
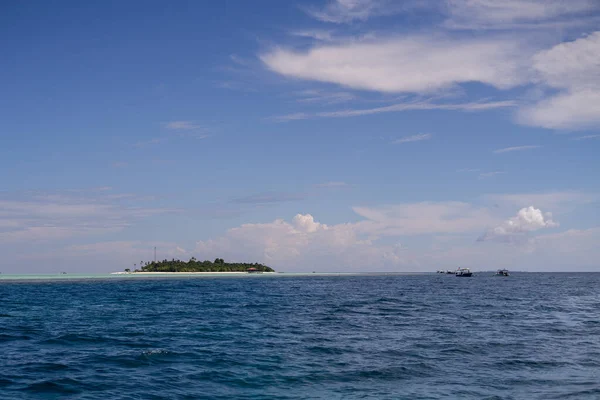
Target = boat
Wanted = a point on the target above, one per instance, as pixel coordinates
(463, 272)
(502, 272)
(449, 272)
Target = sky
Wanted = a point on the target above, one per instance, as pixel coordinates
(322, 135)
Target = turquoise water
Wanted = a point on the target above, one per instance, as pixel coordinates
(528, 336)
(34, 277)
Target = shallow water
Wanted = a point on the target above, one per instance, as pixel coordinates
(528, 336)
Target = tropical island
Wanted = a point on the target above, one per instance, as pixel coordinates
(193, 265)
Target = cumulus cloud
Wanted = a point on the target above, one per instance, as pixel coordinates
(306, 223)
(303, 244)
(406, 64)
(572, 69)
(527, 220)
(307, 244)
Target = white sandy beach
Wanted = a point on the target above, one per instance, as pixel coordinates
(190, 273)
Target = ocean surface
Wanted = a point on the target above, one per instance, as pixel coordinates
(527, 336)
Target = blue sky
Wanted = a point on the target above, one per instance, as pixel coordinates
(336, 135)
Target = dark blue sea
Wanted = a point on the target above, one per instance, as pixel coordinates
(527, 336)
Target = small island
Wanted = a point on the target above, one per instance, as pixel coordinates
(193, 265)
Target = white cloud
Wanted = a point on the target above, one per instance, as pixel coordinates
(516, 148)
(414, 138)
(305, 244)
(408, 64)
(306, 223)
(572, 68)
(527, 220)
(568, 110)
(567, 75)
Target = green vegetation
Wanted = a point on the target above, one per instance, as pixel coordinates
(219, 265)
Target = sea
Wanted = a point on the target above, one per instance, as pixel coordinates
(303, 336)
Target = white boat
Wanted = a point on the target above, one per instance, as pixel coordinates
(502, 272)
(463, 272)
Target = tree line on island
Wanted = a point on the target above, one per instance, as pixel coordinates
(193, 265)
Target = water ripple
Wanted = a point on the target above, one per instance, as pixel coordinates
(530, 336)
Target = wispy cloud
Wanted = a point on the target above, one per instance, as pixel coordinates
(485, 175)
(516, 148)
(239, 60)
(414, 138)
(468, 170)
(53, 216)
(119, 164)
(290, 117)
(486, 14)
(324, 97)
(474, 106)
(181, 125)
(269, 197)
(587, 137)
(316, 34)
(181, 129)
(332, 185)
(143, 143)
(548, 200)
(400, 107)
(346, 11)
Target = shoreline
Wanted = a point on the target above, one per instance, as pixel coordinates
(189, 273)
